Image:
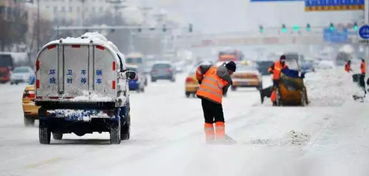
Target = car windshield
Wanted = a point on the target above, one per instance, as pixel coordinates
(21, 70)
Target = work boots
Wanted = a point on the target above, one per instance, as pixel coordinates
(219, 131)
(209, 132)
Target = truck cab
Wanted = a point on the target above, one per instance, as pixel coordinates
(82, 87)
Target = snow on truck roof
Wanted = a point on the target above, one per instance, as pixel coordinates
(86, 38)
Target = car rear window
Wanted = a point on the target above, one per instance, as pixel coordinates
(161, 66)
(21, 70)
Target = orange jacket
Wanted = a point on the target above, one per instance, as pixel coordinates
(211, 86)
(347, 67)
(363, 67)
(276, 69)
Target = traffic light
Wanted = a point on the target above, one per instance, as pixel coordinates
(261, 29)
(355, 27)
(190, 28)
(331, 27)
(296, 28)
(164, 28)
(284, 28)
(308, 27)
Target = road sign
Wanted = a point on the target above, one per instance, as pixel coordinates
(335, 36)
(332, 5)
(364, 32)
(272, 0)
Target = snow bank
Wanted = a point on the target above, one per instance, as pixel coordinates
(331, 87)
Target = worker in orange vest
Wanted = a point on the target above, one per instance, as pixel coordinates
(362, 76)
(276, 70)
(214, 82)
(348, 66)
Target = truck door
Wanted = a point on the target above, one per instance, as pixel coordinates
(76, 70)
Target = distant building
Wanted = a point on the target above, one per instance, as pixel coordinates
(73, 12)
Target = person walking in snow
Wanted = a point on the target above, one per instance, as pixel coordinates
(214, 82)
(362, 76)
(348, 66)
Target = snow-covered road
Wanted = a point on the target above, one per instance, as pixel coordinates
(167, 137)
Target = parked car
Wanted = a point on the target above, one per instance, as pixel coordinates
(246, 76)
(85, 92)
(30, 109)
(191, 84)
(21, 74)
(138, 83)
(263, 66)
(162, 70)
(307, 66)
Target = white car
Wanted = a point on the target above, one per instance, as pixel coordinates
(21, 74)
(325, 64)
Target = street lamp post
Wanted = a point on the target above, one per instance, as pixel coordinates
(38, 25)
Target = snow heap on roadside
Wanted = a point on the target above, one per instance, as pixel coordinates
(331, 87)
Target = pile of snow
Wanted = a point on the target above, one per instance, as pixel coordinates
(78, 115)
(87, 96)
(332, 87)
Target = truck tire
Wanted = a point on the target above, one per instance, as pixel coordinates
(44, 133)
(125, 130)
(57, 136)
(28, 121)
(115, 131)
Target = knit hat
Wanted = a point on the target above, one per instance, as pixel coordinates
(231, 66)
(283, 57)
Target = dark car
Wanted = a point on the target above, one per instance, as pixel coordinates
(263, 67)
(162, 70)
(137, 84)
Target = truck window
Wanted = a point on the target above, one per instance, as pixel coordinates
(6, 61)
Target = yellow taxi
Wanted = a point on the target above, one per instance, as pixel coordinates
(191, 84)
(246, 75)
(29, 107)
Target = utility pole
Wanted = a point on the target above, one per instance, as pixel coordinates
(366, 22)
(38, 25)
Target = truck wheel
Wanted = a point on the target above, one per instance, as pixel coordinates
(57, 136)
(44, 133)
(115, 132)
(125, 131)
(28, 121)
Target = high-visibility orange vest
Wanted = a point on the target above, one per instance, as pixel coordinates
(347, 67)
(277, 70)
(211, 86)
(363, 67)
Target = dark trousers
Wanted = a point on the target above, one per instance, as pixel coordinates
(275, 83)
(213, 112)
(362, 82)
